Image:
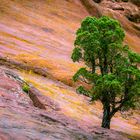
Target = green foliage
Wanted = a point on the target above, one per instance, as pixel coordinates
(111, 67)
(85, 75)
(82, 90)
(26, 88)
(76, 54)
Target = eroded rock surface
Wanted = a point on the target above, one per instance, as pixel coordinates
(20, 119)
(37, 37)
(136, 2)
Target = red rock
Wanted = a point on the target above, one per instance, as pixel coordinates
(20, 119)
(38, 36)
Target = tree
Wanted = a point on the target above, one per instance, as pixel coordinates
(111, 68)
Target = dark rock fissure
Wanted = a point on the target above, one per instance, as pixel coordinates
(92, 7)
(36, 101)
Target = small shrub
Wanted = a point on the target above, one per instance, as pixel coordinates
(25, 88)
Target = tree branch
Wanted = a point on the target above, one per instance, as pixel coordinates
(84, 80)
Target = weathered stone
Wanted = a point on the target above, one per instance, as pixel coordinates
(136, 2)
(20, 119)
(117, 7)
(133, 15)
(92, 7)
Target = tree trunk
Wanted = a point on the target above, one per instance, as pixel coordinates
(106, 117)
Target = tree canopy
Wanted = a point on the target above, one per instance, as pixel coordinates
(111, 68)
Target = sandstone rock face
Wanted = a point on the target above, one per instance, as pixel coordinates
(133, 16)
(36, 41)
(20, 119)
(126, 8)
(136, 2)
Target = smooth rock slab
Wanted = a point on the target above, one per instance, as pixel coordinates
(21, 120)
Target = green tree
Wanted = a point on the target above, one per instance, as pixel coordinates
(111, 68)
